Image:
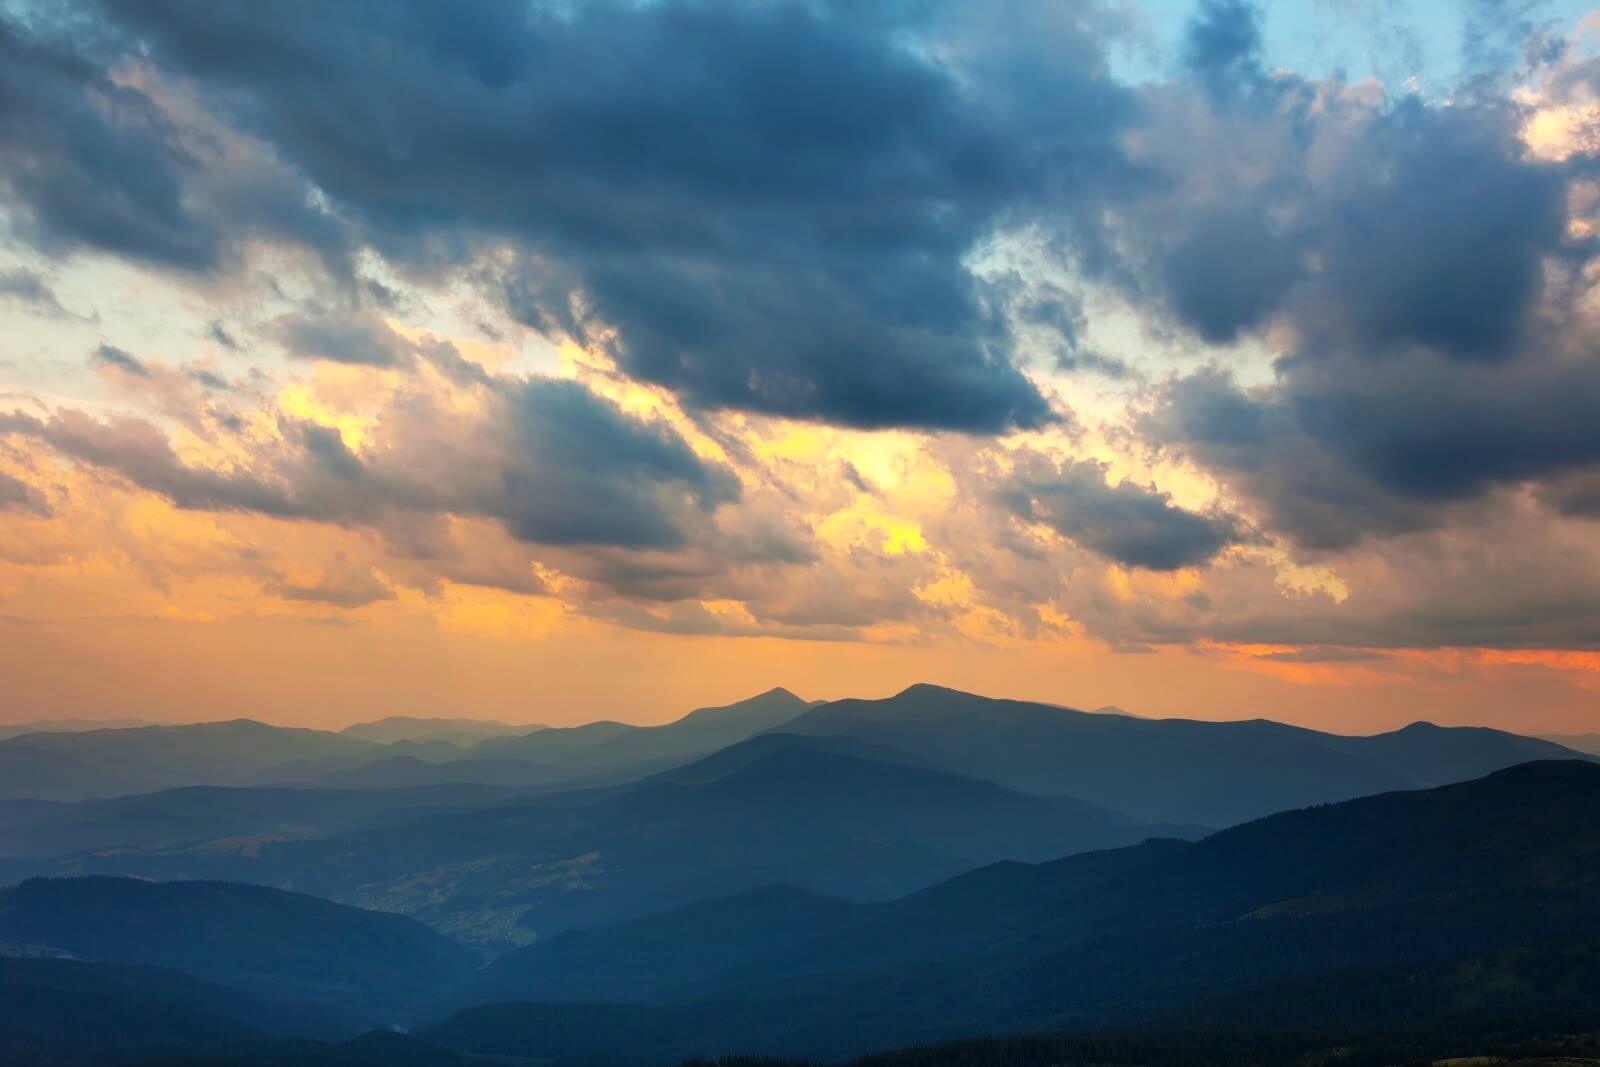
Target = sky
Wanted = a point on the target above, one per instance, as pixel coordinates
(563, 361)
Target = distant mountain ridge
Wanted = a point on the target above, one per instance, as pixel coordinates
(71, 725)
(110, 762)
(611, 744)
(1154, 770)
(1166, 770)
(102, 763)
(463, 732)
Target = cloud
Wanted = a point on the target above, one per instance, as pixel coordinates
(585, 473)
(138, 451)
(761, 207)
(1340, 449)
(354, 338)
(1370, 314)
(1418, 270)
(1576, 495)
(1322, 654)
(557, 464)
(30, 289)
(1363, 222)
(1135, 525)
(92, 159)
(1222, 47)
(350, 587)
(119, 359)
(220, 334)
(90, 162)
(16, 495)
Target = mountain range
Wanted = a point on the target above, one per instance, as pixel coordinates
(397, 752)
(1165, 770)
(857, 820)
(863, 800)
(1411, 877)
(837, 879)
(104, 763)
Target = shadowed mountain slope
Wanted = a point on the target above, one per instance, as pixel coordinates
(1412, 876)
(773, 932)
(272, 944)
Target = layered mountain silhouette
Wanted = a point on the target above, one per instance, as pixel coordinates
(105, 763)
(1410, 877)
(69, 726)
(274, 945)
(393, 753)
(1165, 770)
(833, 815)
(1155, 770)
(808, 880)
(608, 746)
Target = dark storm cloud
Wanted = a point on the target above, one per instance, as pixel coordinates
(1440, 239)
(1420, 257)
(770, 205)
(1135, 525)
(777, 208)
(88, 162)
(93, 161)
(1370, 228)
(1341, 449)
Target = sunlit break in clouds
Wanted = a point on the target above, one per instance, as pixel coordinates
(557, 361)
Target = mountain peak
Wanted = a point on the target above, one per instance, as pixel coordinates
(1421, 726)
(929, 689)
(775, 700)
